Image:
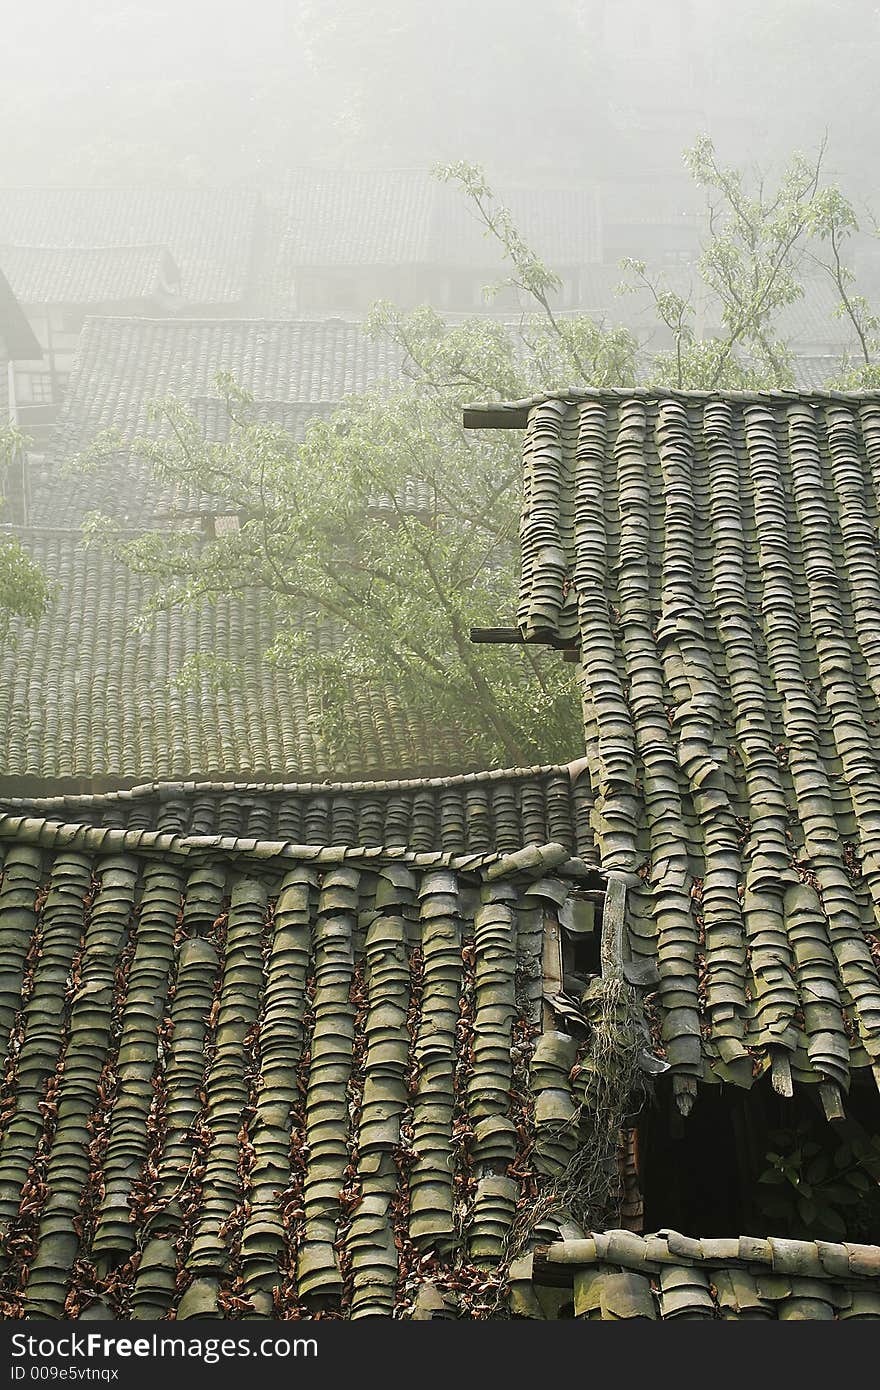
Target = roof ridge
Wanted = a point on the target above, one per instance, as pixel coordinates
(167, 788)
(848, 1260)
(125, 188)
(91, 246)
(181, 321)
(512, 414)
(532, 860)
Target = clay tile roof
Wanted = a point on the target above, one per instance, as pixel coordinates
(357, 217)
(617, 1275)
(812, 320)
(292, 416)
(715, 557)
(474, 813)
(88, 275)
(209, 232)
(345, 219)
(85, 695)
(124, 365)
(357, 968)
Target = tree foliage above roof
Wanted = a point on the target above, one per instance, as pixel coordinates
(24, 588)
(394, 529)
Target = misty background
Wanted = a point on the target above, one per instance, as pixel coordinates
(197, 92)
(190, 189)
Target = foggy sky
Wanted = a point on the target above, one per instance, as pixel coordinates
(211, 91)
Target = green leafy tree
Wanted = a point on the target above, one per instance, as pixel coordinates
(389, 532)
(834, 223)
(382, 538)
(24, 589)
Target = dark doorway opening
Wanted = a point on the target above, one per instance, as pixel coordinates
(755, 1163)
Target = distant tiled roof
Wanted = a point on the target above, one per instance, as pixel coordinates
(357, 218)
(84, 696)
(88, 275)
(814, 373)
(617, 1275)
(559, 223)
(291, 416)
(715, 558)
(318, 1073)
(124, 365)
(812, 320)
(209, 232)
(350, 219)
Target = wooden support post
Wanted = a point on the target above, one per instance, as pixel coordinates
(780, 1073)
(613, 926)
(499, 636)
(832, 1100)
(552, 968)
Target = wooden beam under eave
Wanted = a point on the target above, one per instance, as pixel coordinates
(514, 637)
(496, 418)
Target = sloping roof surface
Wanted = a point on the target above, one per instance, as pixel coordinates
(84, 694)
(291, 416)
(716, 559)
(87, 274)
(618, 1275)
(210, 232)
(283, 1079)
(813, 319)
(357, 217)
(345, 219)
(559, 223)
(124, 365)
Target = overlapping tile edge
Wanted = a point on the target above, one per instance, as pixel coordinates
(617, 1275)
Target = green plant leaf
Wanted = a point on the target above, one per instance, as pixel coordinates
(831, 1224)
(772, 1175)
(806, 1210)
(817, 1168)
(840, 1194)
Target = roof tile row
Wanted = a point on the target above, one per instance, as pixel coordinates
(617, 1275)
(306, 1079)
(716, 559)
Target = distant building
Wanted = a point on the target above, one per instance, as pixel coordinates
(18, 349)
(65, 721)
(58, 287)
(211, 234)
(342, 239)
(655, 217)
(70, 253)
(293, 369)
(18, 343)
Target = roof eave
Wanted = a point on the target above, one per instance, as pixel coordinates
(508, 415)
(514, 416)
